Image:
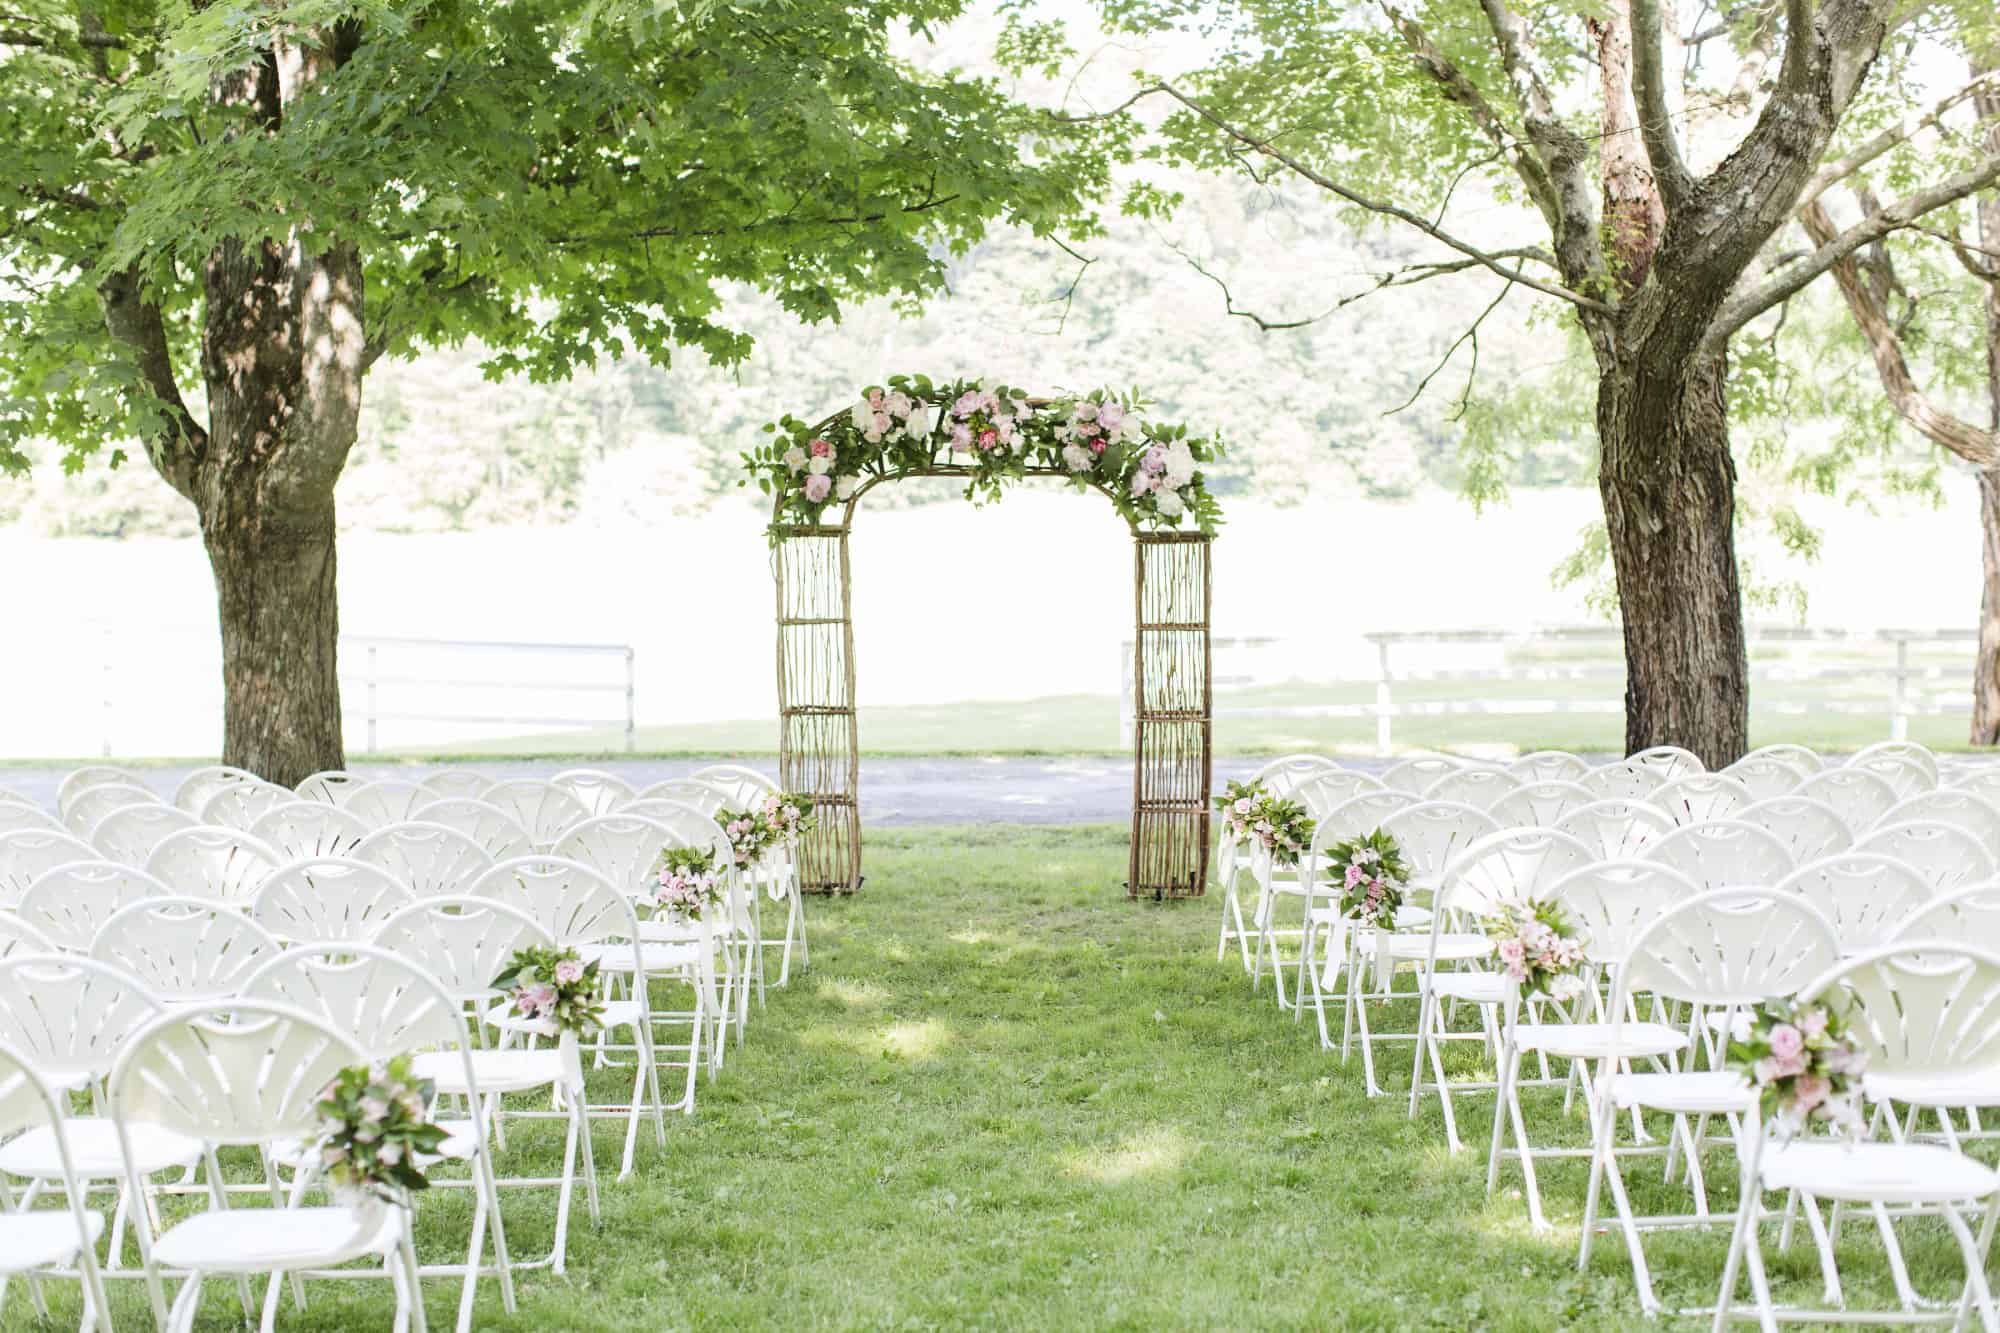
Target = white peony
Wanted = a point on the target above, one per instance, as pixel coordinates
(923, 419)
(1180, 464)
(1077, 458)
(862, 416)
(819, 464)
(845, 487)
(795, 458)
(1169, 504)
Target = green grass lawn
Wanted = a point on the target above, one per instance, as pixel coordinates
(1006, 1097)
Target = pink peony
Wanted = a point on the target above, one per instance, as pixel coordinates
(1808, 1091)
(568, 972)
(1813, 1023)
(818, 487)
(822, 449)
(1354, 875)
(1786, 1042)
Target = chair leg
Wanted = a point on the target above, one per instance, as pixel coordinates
(407, 1251)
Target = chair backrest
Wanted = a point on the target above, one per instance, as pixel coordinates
(1949, 805)
(300, 829)
(1549, 766)
(574, 903)
(1416, 774)
(683, 826)
(1905, 773)
(16, 796)
(623, 848)
(1282, 776)
(131, 832)
(1919, 756)
(225, 864)
(1801, 757)
(599, 792)
(1623, 780)
(384, 801)
(447, 783)
(1809, 829)
(1611, 902)
(703, 796)
(1539, 804)
(184, 950)
(17, 936)
(1765, 775)
(498, 833)
(238, 804)
(326, 898)
(69, 904)
(1616, 829)
(197, 787)
(1698, 798)
(1479, 787)
(1671, 761)
(27, 1102)
(1944, 854)
(19, 815)
(1970, 915)
(1723, 854)
(93, 804)
(1856, 795)
(383, 1001)
(1321, 793)
(1360, 814)
(1728, 948)
(27, 854)
(427, 859)
(80, 780)
(1432, 833)
(1512, 864)
(239, 1072)
(542, 808)
(70, 1016)
(744, 785)
(328, 785)
(1921, 1007)
(1866, 896)
(1983, 781)
(463, 941)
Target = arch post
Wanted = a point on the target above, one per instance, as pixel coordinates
(819, 744)
(1172, 754)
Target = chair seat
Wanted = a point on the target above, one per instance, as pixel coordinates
(1452, 946)
(1696, 1092)
(1408, 917)
(43, 1238)
(1591, 1041)
(496, 1071)
(1949, 1091)
(661, 956)
(93, 1148)
(617, 1014)
(1876, 1172)
(257, 1240)
(1473, 987)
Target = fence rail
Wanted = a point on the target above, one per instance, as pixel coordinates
(408, 655)
(1544, 656)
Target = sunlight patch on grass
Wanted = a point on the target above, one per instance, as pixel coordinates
(916, 1041)
(1149, 1152)
(854, 994)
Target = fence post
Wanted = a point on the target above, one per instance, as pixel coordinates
(1125, 709)
(631, 715)
(371, 698)
(1899, 716)
(1383, 704)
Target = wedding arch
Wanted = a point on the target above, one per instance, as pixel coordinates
(993, 435)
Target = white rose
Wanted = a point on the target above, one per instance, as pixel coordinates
(795, 458)
(819, 464)
(862, 415)
(923, 419)
(1180, 464)
(845, 487)
(1169, 504)
(1077, 458)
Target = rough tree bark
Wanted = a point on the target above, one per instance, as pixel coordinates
(1986, 671)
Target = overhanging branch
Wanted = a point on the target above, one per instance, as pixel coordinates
(1890, 137)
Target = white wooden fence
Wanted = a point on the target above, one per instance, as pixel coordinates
(1583, 667)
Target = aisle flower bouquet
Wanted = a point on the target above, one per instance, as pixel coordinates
(1540, 948)
(1805, 1066)
(554, 986)
(779, 820)
(374, 1125)
(1275, 823)
(688, 882)
(1371, 875)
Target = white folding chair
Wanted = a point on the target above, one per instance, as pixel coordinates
(1950, 805)
(390, 1007)
(17, 936)
(1353, 817)
(1909, 752)
(1920, 1011)
(1723, 854)
(1324, 791)
(1623, 780)
(1802, 757)
(247, 1073)
(223, 864)
(80, 780)
(16, 815)
(324, 899)
(47, 1243)
(303, 829)
(1479, 787)
(385, 801)
(93, 804)
(498, 833)
(1982, 781)
(70, 903)
(428, 859)
(465, 942)
(1809, 829)
(328, 785)
(27, 854)
(599, 792)
(1718, 953)
(131, 832)
(1968, 916)
(1616, 829)
(238, 804)
(1904, 772)
(1539, 804)
(184, 950)
(1670, 761)
(197, 787)
(545, 810)
(676, 791)
(1856, 795)
(1549, 766)
(743, 785)
(1698, 798)
(450, 783)
(1865, 896)
(1767, 775)
(1946, 855)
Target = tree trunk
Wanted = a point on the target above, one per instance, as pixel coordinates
(275, 596)
(1986, 672)
(1669, 489)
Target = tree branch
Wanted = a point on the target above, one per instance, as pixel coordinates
(1649, 88)
(1470, 335)
(1840, 168)
(177, 446)
(1741, 309)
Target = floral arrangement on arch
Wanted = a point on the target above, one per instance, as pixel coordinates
(553, 986)
(1539, 947)
(997, 434)
(1805, 1067)
(779, 820)
(1370, 874)
(374, 1126)
(1277, 824)
(688, 882)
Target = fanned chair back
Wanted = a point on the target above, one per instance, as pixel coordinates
(1950, 805)
(463, 941)
(1431, 833)
(79, 780)
(384, 802)
(1617, 829)
(1475, 786)
(328, 785)
(1865, 895)
(329, 898)
(1856, 795)
(1698, 798)
(185, 950)
(300, 829)
(745, 786)
(239, 804)
(1323, 792)
(1549, 766)
(197, 787)
(1943, 854)
(1613, 902)
(598, 792)
(92, 805)
(1362, 814)
(224, 864)
(69, 1017)
(1809, 829)
(1765, 776)
(1419, 772)
(27, 854)
(542, 808)
(71, 903)
(427, 859)
(1724, 854)
(132, 832)
(1539, 804)
(498, 833)
(1965, 916)
(447, 783)
(1623, 780)
(1670, 761)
